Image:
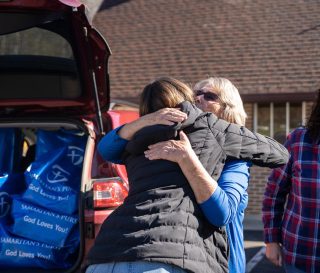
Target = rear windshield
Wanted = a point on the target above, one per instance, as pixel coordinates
(38, 62)
(35, 41)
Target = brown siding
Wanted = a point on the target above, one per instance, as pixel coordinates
(248, 107)
(258, 180)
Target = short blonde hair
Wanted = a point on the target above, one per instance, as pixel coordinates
(164, 92)
(230, 98)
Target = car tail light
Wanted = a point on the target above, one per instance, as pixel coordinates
(109, 192)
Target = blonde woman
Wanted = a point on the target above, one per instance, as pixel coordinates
(221, 97)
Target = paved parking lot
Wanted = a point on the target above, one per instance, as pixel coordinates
(256, 260)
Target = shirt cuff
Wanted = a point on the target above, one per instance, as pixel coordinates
(213, 198)
(115, 132)
(272, 235)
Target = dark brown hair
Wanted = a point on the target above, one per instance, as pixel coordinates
(313, 124)
(164, 92)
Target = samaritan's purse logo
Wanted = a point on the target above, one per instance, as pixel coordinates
(76, 155)
(57, 174)
(4, 204)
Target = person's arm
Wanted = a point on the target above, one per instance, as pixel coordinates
(274, 253)
(181, 152)
(277, 189)
(222, 206)
(240, 143)
(165, 116)
(112, 145)
(224, 197)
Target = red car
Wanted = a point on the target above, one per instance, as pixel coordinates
(54, 76)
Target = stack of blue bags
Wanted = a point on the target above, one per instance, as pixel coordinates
(38, 208)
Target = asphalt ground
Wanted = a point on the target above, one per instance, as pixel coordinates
(255, 254)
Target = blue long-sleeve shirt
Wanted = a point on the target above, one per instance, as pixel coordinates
(225, 207)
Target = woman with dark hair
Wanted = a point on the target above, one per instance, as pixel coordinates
(291, 205)
(160, 226)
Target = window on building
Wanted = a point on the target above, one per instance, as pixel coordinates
(278, 119)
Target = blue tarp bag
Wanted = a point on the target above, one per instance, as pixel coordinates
(49, 141)
(35, 223)
(20, 252)
(9, 184)
(13, 183)
(54, 178)
(11, 150)
(51, 185)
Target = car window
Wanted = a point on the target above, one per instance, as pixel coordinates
(36, 59)
(35, 41)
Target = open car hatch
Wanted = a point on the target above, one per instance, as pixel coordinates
(52, 61)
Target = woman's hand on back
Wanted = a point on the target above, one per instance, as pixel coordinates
(173, 150)
(165, 116)
(181, 152)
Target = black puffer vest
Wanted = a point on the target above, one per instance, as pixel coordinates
(160, 220)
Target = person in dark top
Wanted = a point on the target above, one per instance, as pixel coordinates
(160, 226)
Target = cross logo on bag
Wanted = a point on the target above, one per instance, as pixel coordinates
(57, 175)
(4, 204)
(76, 155)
